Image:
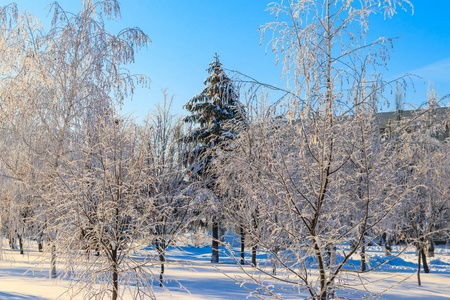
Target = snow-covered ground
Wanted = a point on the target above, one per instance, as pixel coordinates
(22, 278)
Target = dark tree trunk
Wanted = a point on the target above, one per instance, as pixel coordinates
(255, 227)
(274, 262)
(418, 268)
(242, 244)
(11, 242)
(254, 248)
(430, 249)
(322, 271)
(215, 241)
(161, 248)
(21, 243)
(363, 255)
(424, 260)
(161, 275)
(40, 239)
(40, 245)
(115, 274)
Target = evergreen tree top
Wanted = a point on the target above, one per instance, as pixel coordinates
(215, 110)
(213, 107)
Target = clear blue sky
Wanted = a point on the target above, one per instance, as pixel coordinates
(186, 34)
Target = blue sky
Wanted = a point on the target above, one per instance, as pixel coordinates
(186, 34)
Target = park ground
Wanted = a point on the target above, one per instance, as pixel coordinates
(190, 275)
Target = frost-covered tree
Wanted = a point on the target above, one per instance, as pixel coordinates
(423, 213)
(99, 210)
(16, 155)
(64, 77)
(170, 213)
(216, 111)
(309, 170)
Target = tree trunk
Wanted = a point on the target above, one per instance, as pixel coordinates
(322, 270)
(53, 262)
(333, 257)
(418, 268)
(215, 241)
(430, 249)
(222, 234)
(255, 227)
(331, 264)
(242, 244)
(161, 247)
(21, 243)
(197, 238)
(40, 245)
(363, 256)
(11, 242)
(387, 247)
(274, 261)
(115, 274)
(254, 248)
(424, 260)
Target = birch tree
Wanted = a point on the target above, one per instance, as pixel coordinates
(171, 209)
(67, 75)
(423, 214)
(15, 155)
(100, 211)
(302, 180)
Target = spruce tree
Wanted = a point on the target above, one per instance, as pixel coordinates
(216, 112)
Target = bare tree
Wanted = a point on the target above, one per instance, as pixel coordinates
(170, 213)
(64, 77)
(321, 179)
(99, 209)
(423, 214)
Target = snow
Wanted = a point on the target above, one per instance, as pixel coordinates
(190, 275)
